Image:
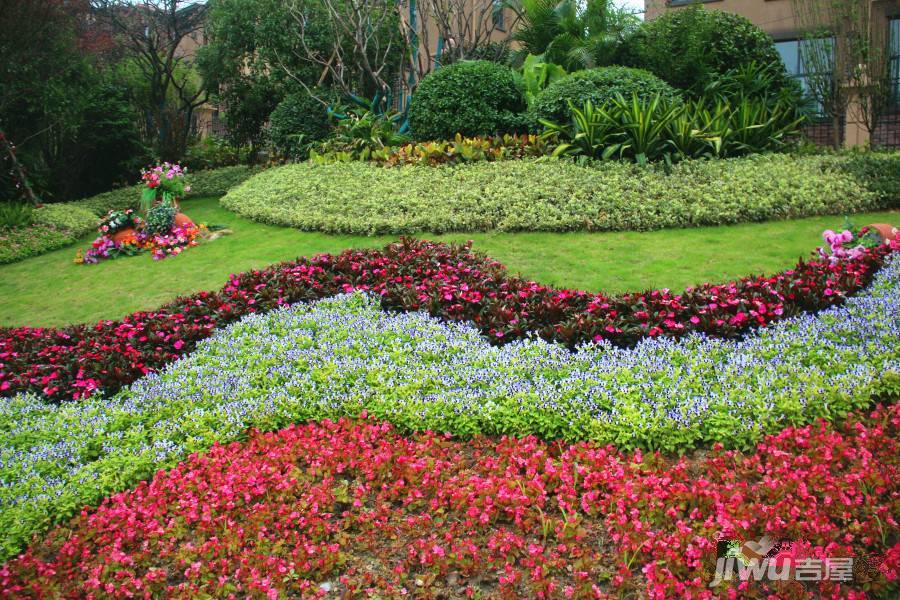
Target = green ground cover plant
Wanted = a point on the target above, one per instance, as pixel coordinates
(528, 195)
(45, 229)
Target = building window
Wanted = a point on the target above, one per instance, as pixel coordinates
(804, 59)
(895, 61)
(498, 14)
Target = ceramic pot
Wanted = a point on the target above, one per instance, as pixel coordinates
(887, 232)
(181, 220)
(127, 235)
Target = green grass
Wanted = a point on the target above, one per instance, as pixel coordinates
(51, 290)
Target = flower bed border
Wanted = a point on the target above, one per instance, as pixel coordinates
(448, 281)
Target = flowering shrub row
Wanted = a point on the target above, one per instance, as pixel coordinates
(448, 281)
(345, 356)
(353, 508)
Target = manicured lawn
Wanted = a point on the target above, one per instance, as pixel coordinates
(51, 290)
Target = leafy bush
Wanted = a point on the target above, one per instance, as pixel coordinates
(345, 357)
(298, 121)
(360, 134)
(20, 243)
(526, 195)
(16, 214)
(598, 86)
(159, 219)
(449, 281)
(213, 152)
(878, 171)
(469, 98)
(689, 47)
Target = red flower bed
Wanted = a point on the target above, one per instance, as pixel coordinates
(450, 282)
(355, 508)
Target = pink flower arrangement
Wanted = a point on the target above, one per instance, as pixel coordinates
(837, 243)
(356, 508)
(165, 182)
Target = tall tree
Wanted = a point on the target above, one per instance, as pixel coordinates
(441, 32)
(160, 37)
(251, 58)
(575, 34)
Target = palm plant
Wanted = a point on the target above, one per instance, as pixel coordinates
(576, 34)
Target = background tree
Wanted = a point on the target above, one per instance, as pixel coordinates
(442, 32)
(251, 47)
(845, 51)
(356, 45)
(151, 33)
(572, 33)
(73, 134)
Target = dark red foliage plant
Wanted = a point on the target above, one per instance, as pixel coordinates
(449, 281)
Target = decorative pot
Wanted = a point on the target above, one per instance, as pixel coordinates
(182, 220)
(887, 232)
(123, 236)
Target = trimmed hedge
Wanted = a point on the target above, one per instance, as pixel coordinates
(209, 182)
(599, 86)
(54, 226)
(527, 195)
(469, 98)
(297, 121)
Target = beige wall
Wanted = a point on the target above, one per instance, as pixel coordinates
(776, 17)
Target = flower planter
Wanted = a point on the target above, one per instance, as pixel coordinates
(182, 220)
(125, 236)
(887, 232)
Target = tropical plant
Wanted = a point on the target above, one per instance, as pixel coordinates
(537, 74)
(650, 129)
(571, 33)
(360, 132)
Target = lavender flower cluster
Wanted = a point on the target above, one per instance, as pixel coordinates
(345, 356)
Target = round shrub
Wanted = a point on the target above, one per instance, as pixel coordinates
(689, 47)
(297, 120)
(470, 98)
(598, 86)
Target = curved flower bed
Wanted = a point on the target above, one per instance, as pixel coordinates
(346, 357)
(448, 281)
(354, 508)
